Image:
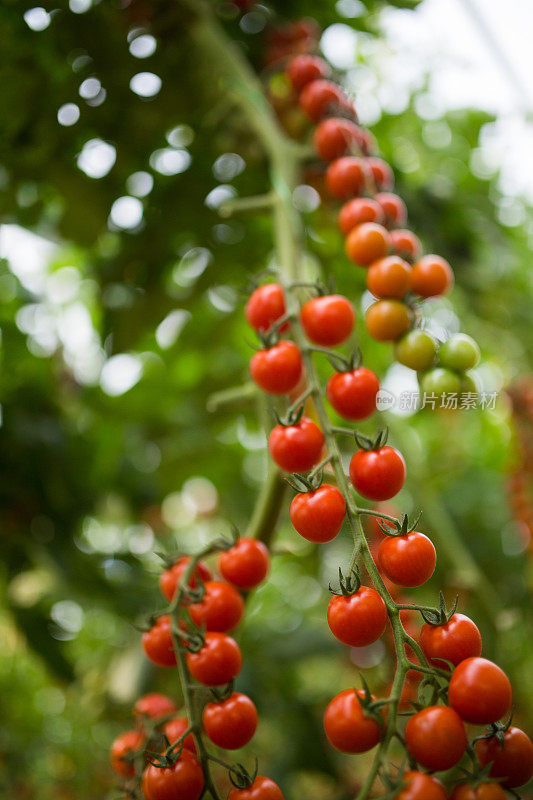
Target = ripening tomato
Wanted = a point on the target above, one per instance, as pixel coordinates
(453, 641)
(158, 645)
(481, 791)
(175, 728)
(357, 211)
(353, 394)
(377, 474)
(245, 564)
(345, 177)
(387, 320)
(318, 515)
(405, 243)
(407, 560)
(416, 350)
(231, 723)
(389, 277)
(336, 137)
(261, 789)
(321, 97)
(153, 706)
(347, 726)
(298, 447)
(439, 381)
(420, 786)
(357, 619)
(302, 69)
(184, 780)
(218, 662)
(460, 352)
(367, 243)
(436, 737)
(123, 750)
(480, 691)
(381, 173)
(278, 369)
(393, 206)
(327, 320)
(432, 276)
(513, 762)
(170, 578)
(221, 608)
(265, 306)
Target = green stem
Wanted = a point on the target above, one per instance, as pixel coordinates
(268, 506)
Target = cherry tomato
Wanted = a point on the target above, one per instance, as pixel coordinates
(231, 723)
(318, 515)
(436, 737)
(217, 662)
(298, 447)
(460, 353)
(432, 275)
(353, 394)
(122, 751)
(245, 564)
(221, 608)
(389, 277)
(170, 578)
(153, 706)
(357, 619)
(175, 728)
(387, 320)
(158, 645)
(347, 726)
(335, 137)
(407, 560)
(405, 243)
(483, 791)
(345, 177)
(377, 474)
(261, 789)
(420, 786)
(381, 173)
(513, 761)
(439, 381)
(357, 211)
(278, 369)
(327, 320)
(416, 350)
(184, 780)
(265, 306)
(321, 97)
(302, 69)
(393, 206)
(367, 243)
(480, 691)
(453, 641)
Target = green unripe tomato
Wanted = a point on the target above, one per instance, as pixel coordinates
(459, 353)
(416, 350)
(468, 386)
(440, 381)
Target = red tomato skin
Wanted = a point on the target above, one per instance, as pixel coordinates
(218, 661)
(377, 474)
(318, 515)
(298, 447)
(436, 737)
(432, 276)
(221, 609)
(278, 369)
(408, 560)
(175, 728)
(265, 306)
(480, 691)
(454, 641)
(421, 786)
(357, 211)
(327, 320)
(513, 762)
(183, 781)
(345, 177)
(321, 97)
(347, 727)
(170, 578)
(367, 243)
(158, 645)
(125, 743)
(153, 706)
(353, 394)
(335, 137)
(485, 791)
(389, 277)
(303, 68)
(261, 789)
(381, 173)
(393, 206)
(231, 723)
(358, 619)
(246, 564)
(405, 243)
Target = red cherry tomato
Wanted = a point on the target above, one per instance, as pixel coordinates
(347, 726)
(183, 781)
(345, 177)
(318, 515)
(321, 97)
(298, 447)
(483, 791)
(353, 394)
(381, 173)
(377, 474)
(153, 706)
(170, 578)
(420, 786)
(389, 277)
(175, 728)
(513, 762)
(480, 691)
(367, 243)
(245, 564)
(221, 608)
(158, 645)
(278, 369)
(393, 206)
(407, 560)
(357, 619)
(231, 723)
(454, 641)
(122, 751)
(357, 211)
(265, 306)
(302, 69)
(218, 662)
(336, 137)
(261, 789)
(327, 320)
(436, 737)
(404, 243)
(431, 276)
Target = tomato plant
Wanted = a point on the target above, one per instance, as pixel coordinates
(184, 780)
(480, 691)
(318, 515)
(378, 474)
(510, 756)
(278, 369)
(436, 737)
(348, 727)
(327, 320)
(231, 723)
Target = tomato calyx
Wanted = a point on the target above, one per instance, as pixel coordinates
(366, 443)
(240, 777)
(398, 528)
(292, 417)
(304, 484)
(439, 616)
(349, 584)
(496, 730)
(221, 693)
(372, 708)
(342, 364)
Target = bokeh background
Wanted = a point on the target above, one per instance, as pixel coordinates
(121, 314)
